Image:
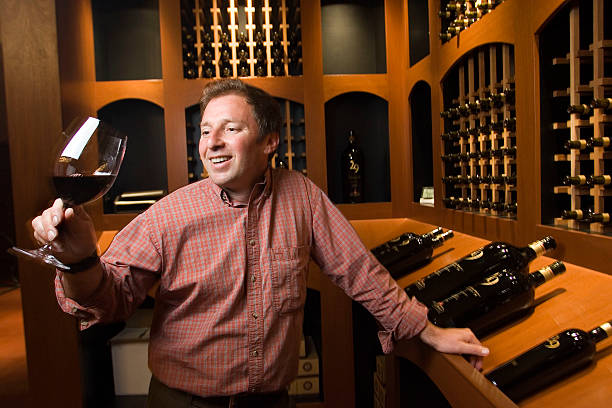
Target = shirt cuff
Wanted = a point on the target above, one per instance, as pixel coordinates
(88, 312)
(414, 321)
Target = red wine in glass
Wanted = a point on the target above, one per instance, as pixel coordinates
(84, 169)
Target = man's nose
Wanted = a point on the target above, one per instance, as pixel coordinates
(215, 139)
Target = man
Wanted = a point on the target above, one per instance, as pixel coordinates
(231, 253)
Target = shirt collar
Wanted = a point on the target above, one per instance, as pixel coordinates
(260, 191)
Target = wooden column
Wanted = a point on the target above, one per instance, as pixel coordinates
(32, 122)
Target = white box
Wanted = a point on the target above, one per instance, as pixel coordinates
(130, 361)
(309, 365)
(304, 386)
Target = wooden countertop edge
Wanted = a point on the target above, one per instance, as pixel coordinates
(454, 376)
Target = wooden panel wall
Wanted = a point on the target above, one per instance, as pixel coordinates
(33, 126)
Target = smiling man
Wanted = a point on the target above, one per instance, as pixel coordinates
(231, 255)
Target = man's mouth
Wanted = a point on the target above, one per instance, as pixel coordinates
(217, 160)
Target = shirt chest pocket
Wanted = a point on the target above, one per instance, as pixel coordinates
(288, 269)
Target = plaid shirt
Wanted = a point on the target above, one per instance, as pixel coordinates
(229, 308)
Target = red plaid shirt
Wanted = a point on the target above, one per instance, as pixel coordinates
(229, 308)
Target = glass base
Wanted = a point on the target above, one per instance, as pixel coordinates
(41, 255)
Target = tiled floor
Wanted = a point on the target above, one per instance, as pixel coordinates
(13, 366)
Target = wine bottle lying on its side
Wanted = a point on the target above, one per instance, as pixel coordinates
(476, 266)
(395, 249)
(503, 296)
(416, 253)
(548, 362)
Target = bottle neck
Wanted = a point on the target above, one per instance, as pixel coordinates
(601, 332)
(547, 273)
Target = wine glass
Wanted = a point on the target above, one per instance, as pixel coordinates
(84, 169)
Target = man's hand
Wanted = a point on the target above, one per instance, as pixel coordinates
(69, 230)
(455, 341)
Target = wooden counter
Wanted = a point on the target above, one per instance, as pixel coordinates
(579, 298)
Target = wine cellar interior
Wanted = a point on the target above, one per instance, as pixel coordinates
(491, 118)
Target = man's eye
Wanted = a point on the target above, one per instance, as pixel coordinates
(205, 132)
(232, 129)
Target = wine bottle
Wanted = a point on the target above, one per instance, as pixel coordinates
(445, 36)
(582, 110)
(578, 214)
(476, 266)
(604, 142)
(415, 252)
(575, 145)
(352, 171)
(578, 180)
(603, 218)
(506, 294)
(510, 124)
(390, 251)
(604, 180)
(604, 103)
(548, 362)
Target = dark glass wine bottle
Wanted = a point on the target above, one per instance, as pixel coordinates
(506, 294)
(352, 171)
(476, 266)
(603, 218)
(582, 110)
(578, 180)
(409, 251)
(604, 142)
(548, 362)
(575, 145)
(578, 214)
(604, 103)
(604, 180)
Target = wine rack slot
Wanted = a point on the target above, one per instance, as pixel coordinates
(291, 152)
(576, 124)
(241, 38)
(458, 15)
(479, 139)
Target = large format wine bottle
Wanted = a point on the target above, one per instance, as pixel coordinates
(391, 251)
(413, 252)
(352, 171)
(502, 296)
(548, 362)
(475, 267)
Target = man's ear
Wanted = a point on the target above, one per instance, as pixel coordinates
(271, 142)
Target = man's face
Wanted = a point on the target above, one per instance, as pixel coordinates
(229, 149)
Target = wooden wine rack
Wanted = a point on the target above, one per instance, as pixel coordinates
(291, 152)
(456, 16)
(599, 55)
(205, 21)
(476, 156)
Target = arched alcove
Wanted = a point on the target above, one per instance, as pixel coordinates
(144, 163)
(367, 115)
(422, 151)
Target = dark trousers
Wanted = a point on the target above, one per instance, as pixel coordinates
(162, 396)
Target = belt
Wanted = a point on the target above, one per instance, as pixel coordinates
(162, 396)
(267, 400)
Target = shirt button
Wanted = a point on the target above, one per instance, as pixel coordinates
(255, 316)
(253, 278)
(84, 323)
(254, 353)
(252, 242)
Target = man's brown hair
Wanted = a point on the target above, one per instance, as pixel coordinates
(265, 108)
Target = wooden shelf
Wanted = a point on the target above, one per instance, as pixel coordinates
(335, 85)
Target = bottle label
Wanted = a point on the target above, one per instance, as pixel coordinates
(491, 280)
(605, 218)
(474, 255)
(607, 180)
(552, 343)
(607, 327)
(579, 214)
(538, 247)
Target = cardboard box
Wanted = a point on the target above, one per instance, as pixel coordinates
(130, 361)
(309, 365)
(304, 386)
